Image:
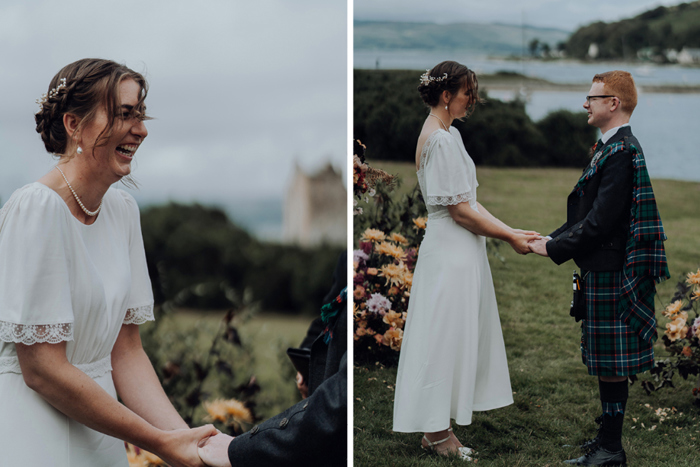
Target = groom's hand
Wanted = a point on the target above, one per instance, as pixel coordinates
(214, 450)
(539, 246)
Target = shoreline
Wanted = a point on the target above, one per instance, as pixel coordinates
(515, 83)
(511, 81)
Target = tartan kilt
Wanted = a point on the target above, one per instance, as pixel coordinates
(609, 347)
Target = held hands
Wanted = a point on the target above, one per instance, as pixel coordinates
(180, 446)
(520, 241)
(214, 450)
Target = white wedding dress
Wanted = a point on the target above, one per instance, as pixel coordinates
(61, 280)
(453, 359)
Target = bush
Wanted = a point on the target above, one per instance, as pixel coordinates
(197, 254)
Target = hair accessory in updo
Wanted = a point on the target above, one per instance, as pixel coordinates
(52, 93)
(426, 79)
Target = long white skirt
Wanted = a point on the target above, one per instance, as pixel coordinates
(33, 433)
(453, 359)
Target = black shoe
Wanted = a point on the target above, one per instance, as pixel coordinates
(592, 444)
(600, 456)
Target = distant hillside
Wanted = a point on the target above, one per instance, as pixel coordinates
(659, 29)
(491, 39)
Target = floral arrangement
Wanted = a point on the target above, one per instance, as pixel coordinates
(392, 228)
(383, 275)
(681, 337)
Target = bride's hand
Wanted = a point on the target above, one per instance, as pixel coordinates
(520, 242)
(526, 232)
(179, 448)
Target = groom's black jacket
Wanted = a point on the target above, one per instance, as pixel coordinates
(314, 431)
(597, 223)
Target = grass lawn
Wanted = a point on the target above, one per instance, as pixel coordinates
(555, 399)
(269, 335)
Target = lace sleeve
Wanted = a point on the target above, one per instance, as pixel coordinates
(29, 334)
(449, 178)
(139, 315)
(449, 200)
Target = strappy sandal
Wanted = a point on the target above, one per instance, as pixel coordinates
(463, 451)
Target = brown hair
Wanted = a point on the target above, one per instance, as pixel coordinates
(458, 76)
(621, 85)
(89, 83)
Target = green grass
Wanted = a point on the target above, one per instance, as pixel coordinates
(555, 399)
(269, 335)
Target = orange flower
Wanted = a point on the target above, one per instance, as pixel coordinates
(687, 351)
(386, 248)
(673, 309)
(394, 273)
(378, 338)
(372, 271)
(393, 338)
(228, 411)
(420, 222)
(393, 290)
(693, 278)
(373, 235)
(137, 457)
(676, 329)
(359, 292)
(696, 294)
(398, 238)
(394, 319)
(408, 280)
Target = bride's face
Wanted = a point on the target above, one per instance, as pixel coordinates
(460, 103)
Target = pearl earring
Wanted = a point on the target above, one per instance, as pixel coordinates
(80, 150)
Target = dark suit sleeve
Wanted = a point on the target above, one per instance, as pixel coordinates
(312, 432)
(557, 232)
(608, 207)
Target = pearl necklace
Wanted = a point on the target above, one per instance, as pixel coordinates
(80, 203)
(443, 123)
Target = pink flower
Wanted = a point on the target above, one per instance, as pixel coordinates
(378, 303)
(358, 255)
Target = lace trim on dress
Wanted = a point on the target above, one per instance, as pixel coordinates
(139, 315)
(93, 369)
(449, 200)
(29, 334)
(96, 369)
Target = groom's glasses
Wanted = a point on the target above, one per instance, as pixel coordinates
(588, 98)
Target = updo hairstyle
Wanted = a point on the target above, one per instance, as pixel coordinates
(458, 76)
(89, 83)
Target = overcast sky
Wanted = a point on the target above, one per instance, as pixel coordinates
(239, 90)
(561, 14)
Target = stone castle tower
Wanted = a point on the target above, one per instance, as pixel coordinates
(315, 208)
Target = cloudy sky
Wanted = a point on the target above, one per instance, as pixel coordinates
(239, 90)
(561, 14)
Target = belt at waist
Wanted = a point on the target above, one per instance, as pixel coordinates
(93, 369)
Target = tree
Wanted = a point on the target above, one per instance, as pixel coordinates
(534, 46)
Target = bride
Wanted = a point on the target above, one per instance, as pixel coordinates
(74, 287)
(452, 360)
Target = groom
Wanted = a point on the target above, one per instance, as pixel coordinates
(614, 234)
(314, 431)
